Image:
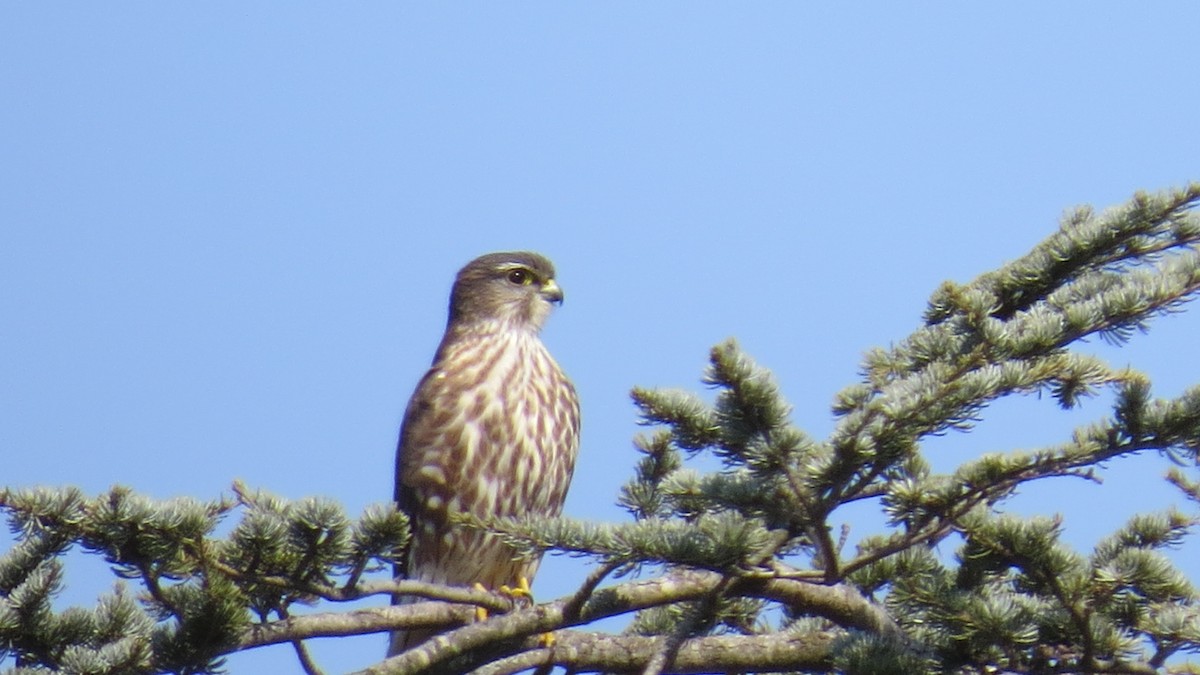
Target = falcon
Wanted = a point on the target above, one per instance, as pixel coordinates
(491, 430)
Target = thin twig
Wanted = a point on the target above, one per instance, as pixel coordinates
(575, 603)
(705, 610)
(573, 607)
(670, 645)
(389, 587)
(306, 661)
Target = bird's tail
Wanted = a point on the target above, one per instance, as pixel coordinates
(403, 640)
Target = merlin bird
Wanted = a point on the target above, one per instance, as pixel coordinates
(491, 430)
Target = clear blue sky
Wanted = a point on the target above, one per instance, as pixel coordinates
(228, 230)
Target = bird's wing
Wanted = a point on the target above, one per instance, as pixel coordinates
(420, 434)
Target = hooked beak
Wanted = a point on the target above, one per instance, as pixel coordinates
(551, 292)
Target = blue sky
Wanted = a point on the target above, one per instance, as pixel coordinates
(228, 230)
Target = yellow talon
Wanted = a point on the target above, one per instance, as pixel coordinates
(521, 591)
(481, 613)
(524, 592)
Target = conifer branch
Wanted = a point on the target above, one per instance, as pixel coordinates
(780, 652)
(752, 579)
(839, 604)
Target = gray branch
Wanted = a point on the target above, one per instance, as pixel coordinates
(839, 604)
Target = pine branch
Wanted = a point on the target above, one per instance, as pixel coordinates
(753, 579)
(841, 605)
(781, 652)
(1108, 275)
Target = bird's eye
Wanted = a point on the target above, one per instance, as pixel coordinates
(520, 277)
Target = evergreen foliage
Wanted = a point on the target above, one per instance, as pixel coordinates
(739, 569)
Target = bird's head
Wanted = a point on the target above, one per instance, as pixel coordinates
(512, 289)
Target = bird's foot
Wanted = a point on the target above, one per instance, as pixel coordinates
(481, 613)
(521, 592)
